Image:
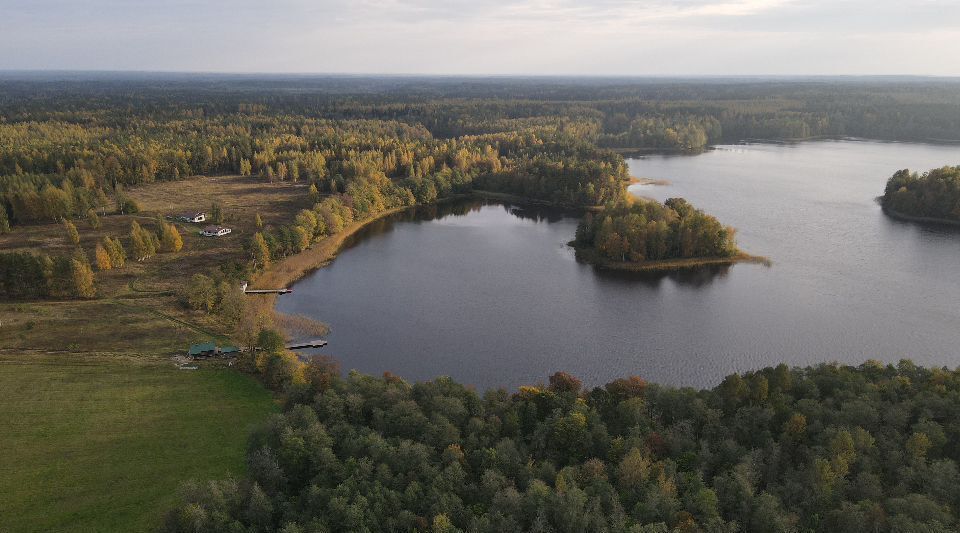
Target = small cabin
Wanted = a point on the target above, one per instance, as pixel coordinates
(194, 217)
(200, 351)
(215, 231)
(229, 351)
(210, 349)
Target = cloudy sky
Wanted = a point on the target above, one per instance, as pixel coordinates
(587, 37)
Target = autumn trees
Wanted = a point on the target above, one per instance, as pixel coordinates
(641, 230)
(828, 448)
(934, 194)
(24, 275)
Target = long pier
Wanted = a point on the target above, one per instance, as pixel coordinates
(307, 344)
(268, 291)
(245, 290)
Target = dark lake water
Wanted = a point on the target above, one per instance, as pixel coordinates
(491, 295)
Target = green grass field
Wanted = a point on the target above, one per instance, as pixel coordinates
(98, 444)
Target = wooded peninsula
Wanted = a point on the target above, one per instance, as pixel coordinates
(933, 196)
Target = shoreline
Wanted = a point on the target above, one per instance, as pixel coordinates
(662, 265)
(292, 269)
(647, 181)
(922, 220)
(523, 200)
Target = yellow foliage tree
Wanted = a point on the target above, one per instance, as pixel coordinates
(170, 239)
(102, 258)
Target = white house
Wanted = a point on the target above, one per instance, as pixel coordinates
(195, 217)
(215, 231)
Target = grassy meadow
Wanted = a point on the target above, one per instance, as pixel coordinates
(96, 443)
(98, 427)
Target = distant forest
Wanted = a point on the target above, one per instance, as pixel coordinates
(71, 144)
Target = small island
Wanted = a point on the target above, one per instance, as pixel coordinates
(639, 234)
(933, 196)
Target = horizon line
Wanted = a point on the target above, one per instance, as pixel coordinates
(458, 75)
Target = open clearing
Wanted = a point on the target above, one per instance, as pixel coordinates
(97, 427)
(98, 444)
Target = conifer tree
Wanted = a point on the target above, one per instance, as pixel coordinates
(216, 213)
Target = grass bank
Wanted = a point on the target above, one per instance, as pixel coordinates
(101, 444)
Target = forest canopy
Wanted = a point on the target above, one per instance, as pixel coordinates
(830, 448)
(934, 194)
(636, 230)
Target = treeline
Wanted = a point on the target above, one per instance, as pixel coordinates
(67, 151)
(830, 448)
(376, 165)
(26, 276)
(30, 276)
(90, 124)
(640, 230)
(934, 194)
(668, 133)
(565, 175)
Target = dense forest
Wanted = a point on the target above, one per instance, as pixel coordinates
(934, 194)
(830, 448)
(641, 230)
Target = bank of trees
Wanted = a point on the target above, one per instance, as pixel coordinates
(667, 133)
(933, 194)
(831, 448)
(25, 275)
(37, 275)
(641, 230)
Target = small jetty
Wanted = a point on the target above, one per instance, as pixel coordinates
(268, 291)
(307, 344)
(244, 287)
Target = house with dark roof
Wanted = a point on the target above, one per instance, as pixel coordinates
(215, 231)
(195, 217)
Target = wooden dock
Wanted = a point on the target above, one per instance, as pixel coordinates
(268, 291)
(245, 290)
(307, 344)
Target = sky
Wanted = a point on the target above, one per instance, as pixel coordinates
(486, 37)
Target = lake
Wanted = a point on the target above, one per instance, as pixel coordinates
(491, 295)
